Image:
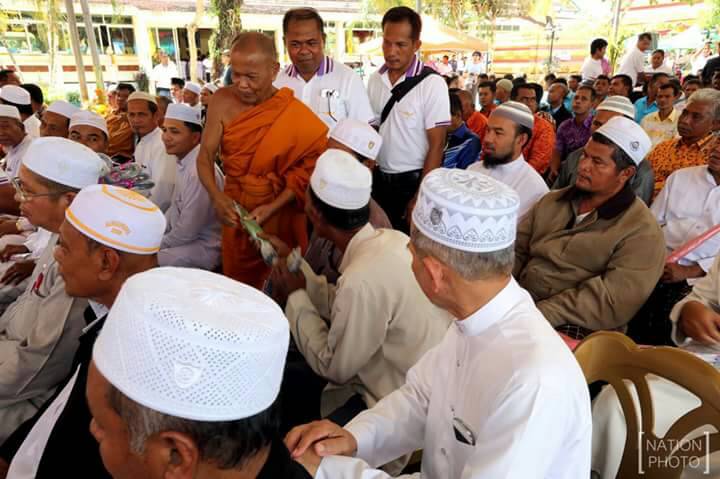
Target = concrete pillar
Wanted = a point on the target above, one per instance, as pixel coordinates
(339, 53)
(142, 46)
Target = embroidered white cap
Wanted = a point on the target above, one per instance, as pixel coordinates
(15, 94)
(628, 136)
(118, 218)
(505, 84)
(9, 111)
(63, 108)
(193, 87)
(358, 136)
(193, 344)
(211, 87)
(466, 210)
(341, 181)
(618, 104)
(63, 161)
(89, 118)
(516, 112)
(179, 111)
(141, 95)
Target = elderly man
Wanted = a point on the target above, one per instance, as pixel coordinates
(330, 89)
(646, 105)
(89, 129)
(591, 254)
(661, 125)
(94, 258)
(39, 331)
(503, 91)
(223, 420)
(150, 149)
(472, 414)
(633, 63)
(191, 95)
(19, 97)
(697, 121)
(575, 132)
(55, 119)
(474, 120)
(364, 334)
(270, 141)
(192, 238)
(121, 138)
(509, 130)
(538, 150)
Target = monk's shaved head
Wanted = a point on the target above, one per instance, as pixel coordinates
(254, 42)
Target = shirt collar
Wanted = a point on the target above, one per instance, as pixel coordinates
(493, 312)
(26, 139)
(365, 233)
(612, 207)
(149, 136)
(327, 65)
(697, 145)
(414, 69)
(185, 160)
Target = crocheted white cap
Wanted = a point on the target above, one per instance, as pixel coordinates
(466, 210)
(193, 87)
(194, 345)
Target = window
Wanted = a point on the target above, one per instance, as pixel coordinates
(122, 41)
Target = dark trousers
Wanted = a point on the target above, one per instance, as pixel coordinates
(651, 325)
(393, 192)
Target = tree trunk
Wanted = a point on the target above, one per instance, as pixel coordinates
(229, 25)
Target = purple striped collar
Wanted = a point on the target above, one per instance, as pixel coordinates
(326, 66)
(415, 68)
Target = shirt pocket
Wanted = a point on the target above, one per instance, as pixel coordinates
(408, 116)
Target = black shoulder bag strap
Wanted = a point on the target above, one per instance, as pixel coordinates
(403, 88)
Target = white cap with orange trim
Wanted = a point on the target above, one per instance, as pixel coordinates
(118, 218)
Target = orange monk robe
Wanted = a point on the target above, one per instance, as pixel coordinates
(477, 124)
(265, 150)
(120, 135)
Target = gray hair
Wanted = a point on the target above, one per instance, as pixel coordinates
(470, 266)
(710, 96)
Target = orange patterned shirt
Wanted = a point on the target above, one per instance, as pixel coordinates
(671, 155)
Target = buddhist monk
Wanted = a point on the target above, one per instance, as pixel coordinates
(269, 142)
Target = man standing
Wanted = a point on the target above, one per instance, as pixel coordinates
(330, 89)
(591, 254)
(150, 150)
(473, 415)
(539, 149)
(633, 63)
(55, 119)
(89, 128)
(191, 95)
(657, 64)
(575, 132)
(509, 130)
(121, 144)
(486, 96)
(596, 64)
(556, 100)
(270, 142)
(18, 97)
(646, 104)
(192, 238)
(413, 127)
(662, 124)
(162, 74)
(463, 146)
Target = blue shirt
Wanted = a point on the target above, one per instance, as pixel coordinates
(568, 100)
(642, 109)
(463, 148)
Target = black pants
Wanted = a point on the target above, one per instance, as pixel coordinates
(393, 192)
(651, 325)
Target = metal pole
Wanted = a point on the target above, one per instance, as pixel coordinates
(92, 42)
(552, 45)
(75, 41)
(418, 6)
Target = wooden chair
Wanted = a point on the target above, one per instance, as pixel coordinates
(614, 358)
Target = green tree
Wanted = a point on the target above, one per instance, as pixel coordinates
(229, 24)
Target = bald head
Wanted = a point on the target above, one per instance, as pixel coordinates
(254, 42)
(254, 65)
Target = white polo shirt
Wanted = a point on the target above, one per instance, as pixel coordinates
(335, 92)
(405, 144)
(632, 64)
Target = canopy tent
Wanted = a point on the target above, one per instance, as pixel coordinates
(692, 38)
(435, 37)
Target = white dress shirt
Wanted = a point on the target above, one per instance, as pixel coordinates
(192, 237)
(632, 64)
(162, 168)
(335, 92)
(162, 75)
(32, 126)
(366, 332)
(503, 376)
(688, 206)
(519, 176)
(13, 158)
(405, 143)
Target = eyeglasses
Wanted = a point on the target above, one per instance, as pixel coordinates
(25, 196)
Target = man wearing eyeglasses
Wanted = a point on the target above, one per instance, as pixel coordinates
(39, 331)
(330, 89)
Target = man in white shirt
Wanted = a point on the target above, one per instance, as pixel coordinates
(657, 63)
(13, 139)
(19, 97)
(661, 125)
(191, 95)
(150, 150)
(330, 89)
(163, 73)
(509, 129)
(414, 129)
(633, 63)
(192, 238)
(595, 65)
(473, 415)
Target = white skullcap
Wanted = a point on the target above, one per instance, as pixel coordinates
(89, 118)
(341, 181)
(211, 87)
(628, 136)
(112, 88)
(63, 161)
(63, 108)
(358, 136)
(466, 210)
(118, 218)
(618, 104)
(505, 84)
(193, 87)
(178, 111)
(9, 111)
(194, 345)
(141, 95)
(15, 94)
(516, 112)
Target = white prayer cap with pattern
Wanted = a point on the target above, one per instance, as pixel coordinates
(627, 135)
(358, 136)
(118, 218)
(466, 210)
(141, 95)
(89, 118)
(15, 94)
(182, 112)
(63, 161)
(516, 112)
(9, 111)
(341, 181)
(618, 104)
(193, 87)
(63, 108)
(211, 87)
(194, 345)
